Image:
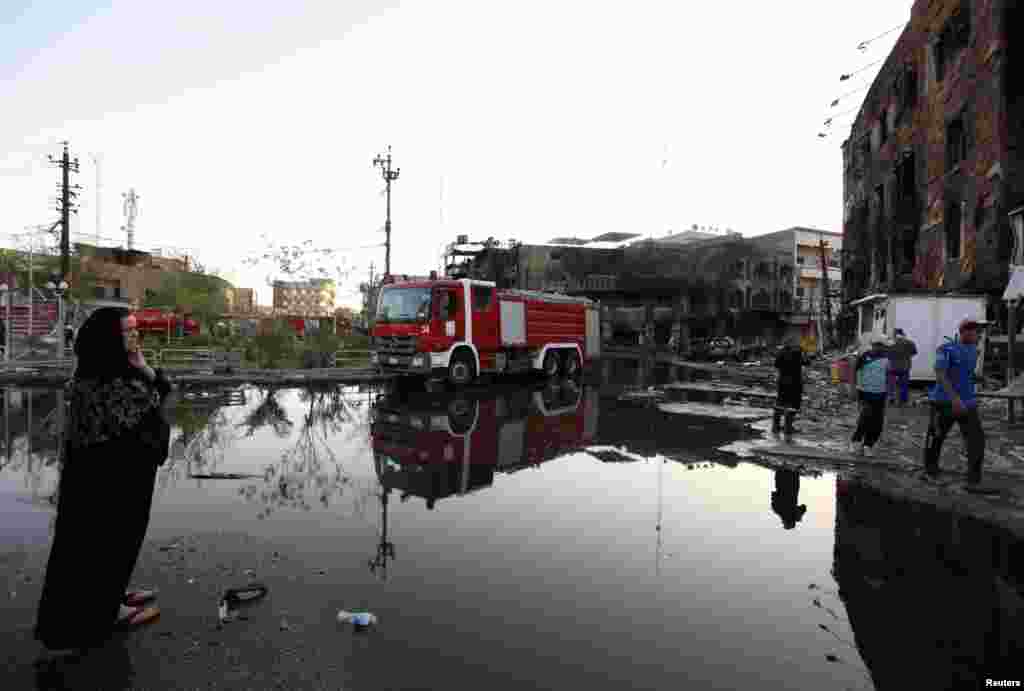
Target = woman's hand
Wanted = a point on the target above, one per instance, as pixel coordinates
(137, 359)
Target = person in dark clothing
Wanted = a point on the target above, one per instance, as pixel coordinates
(872, 372)
(901, 357)
(790, 363)
(116, 437)
(786, 496)
(3, 336)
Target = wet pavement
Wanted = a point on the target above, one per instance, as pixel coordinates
(518, 536)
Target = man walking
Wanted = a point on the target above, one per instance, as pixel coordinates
(872, 374)
(790, 363)
(901, 356)
(953, 399)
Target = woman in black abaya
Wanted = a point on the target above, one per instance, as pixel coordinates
(116, 438)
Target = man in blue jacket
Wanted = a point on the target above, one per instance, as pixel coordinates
(953, 399)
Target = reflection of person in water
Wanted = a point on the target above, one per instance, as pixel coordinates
(786, 496)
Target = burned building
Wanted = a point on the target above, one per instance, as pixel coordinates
(722, 284)
(932, 166)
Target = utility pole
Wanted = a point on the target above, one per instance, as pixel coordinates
(826, 291)
(384, 163)
(68, 193)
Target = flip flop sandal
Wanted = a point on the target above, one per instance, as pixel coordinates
(134, 598)
(239, 596)
(138, 617)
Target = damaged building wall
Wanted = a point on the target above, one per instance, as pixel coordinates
(931, 166)
(726, 285)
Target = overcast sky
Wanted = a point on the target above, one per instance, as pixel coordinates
(537, 119)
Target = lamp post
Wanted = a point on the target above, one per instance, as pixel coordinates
(59, 288)
(5, 289)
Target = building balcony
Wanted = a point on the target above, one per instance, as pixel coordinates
(814, 272)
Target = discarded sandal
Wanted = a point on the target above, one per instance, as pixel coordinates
(239, 596)
(135, 598)
(137, 617)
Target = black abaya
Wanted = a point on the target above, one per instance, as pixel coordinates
(104, 501)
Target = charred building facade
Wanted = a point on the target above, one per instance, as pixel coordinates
(932, 166)
(661, 290)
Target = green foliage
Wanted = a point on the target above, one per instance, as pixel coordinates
(44, 264)
(324, 341)
(276, 346)
(204, 295)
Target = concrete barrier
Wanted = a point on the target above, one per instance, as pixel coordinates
(350, 358)
(188, 357)
(227, 361)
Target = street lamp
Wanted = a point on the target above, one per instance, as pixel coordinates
(59, 288)
(5, 289)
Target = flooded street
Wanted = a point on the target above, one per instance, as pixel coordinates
(522, 536)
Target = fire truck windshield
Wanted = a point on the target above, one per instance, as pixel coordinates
(403, 305)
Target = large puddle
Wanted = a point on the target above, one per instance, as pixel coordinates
(551, 536)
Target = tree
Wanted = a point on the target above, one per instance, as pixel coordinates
(45, 262)
(204, 296)
(301, 262)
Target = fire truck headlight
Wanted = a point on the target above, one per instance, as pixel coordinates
(418, 361)
(416, 422)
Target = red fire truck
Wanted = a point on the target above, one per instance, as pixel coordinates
(433, 447)
(158, 321)
(459, 328)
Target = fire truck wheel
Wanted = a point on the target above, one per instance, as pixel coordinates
(461, 370)
(551, 364)
(572, 363)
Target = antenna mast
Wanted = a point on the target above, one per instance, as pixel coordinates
(97, 160)
(130, 208)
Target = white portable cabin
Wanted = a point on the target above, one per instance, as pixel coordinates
(927, 320)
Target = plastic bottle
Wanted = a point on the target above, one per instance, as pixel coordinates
(360, 620)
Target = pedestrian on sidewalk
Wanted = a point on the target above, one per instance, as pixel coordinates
(953, 399)
(790, 364)
(117, 436)
(901, 357)
(872, 373)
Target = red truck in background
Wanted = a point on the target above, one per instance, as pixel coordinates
(457, 329)
(162, 322)
(434, 447)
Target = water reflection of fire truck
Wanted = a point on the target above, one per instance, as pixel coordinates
(433, 447)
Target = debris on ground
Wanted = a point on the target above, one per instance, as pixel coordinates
(359, 620)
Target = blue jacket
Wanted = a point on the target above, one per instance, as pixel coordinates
(873, 372)
(959, 360)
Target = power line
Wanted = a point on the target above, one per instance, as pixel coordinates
(863, 87)
(845, 77)
(863, 45)
(828, 121)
